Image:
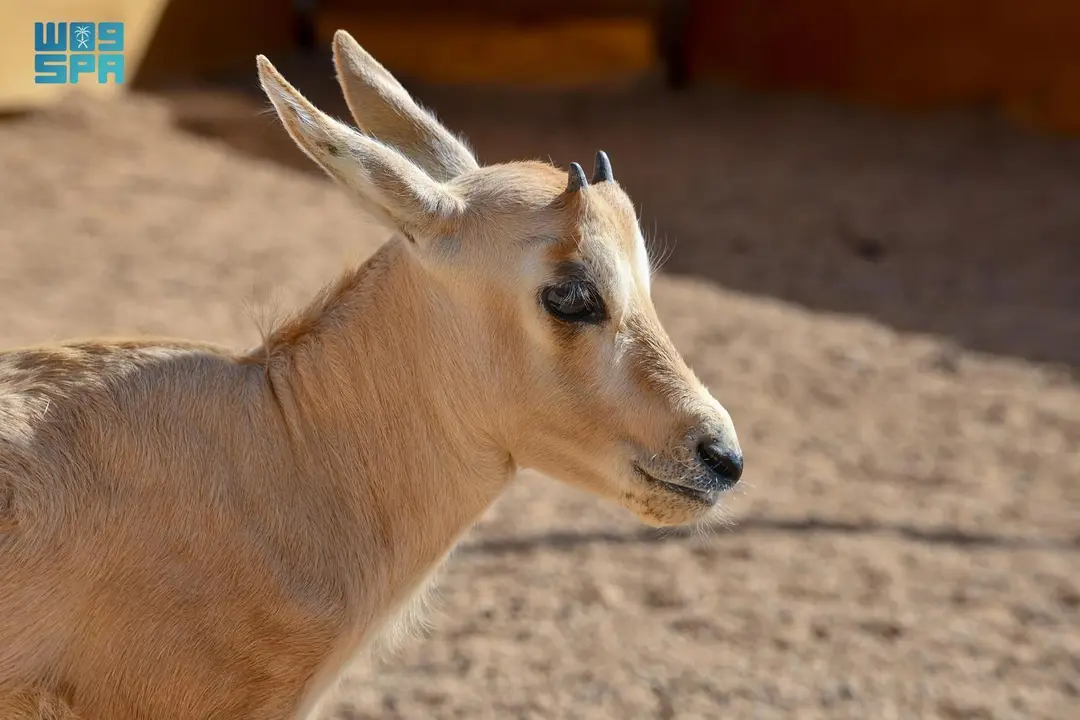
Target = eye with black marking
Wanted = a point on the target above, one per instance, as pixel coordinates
(574, 301)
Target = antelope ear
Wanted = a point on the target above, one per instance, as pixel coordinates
(382, 108)
(391, 187)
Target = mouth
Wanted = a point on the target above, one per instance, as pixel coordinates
(698, 495)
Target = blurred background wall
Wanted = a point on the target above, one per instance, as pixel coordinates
(1020, 57)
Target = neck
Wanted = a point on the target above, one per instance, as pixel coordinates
(384, 426)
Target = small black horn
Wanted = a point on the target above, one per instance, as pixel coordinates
(577, 178)
(602, 168)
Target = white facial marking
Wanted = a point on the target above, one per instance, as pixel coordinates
(641, 260)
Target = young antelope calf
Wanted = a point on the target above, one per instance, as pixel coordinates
(188, 533)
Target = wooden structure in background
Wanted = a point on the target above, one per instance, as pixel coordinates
(1021, 56)
(560, 43)
(202, 37)
(539, 43)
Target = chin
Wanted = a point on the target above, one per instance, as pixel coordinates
(664, 504)
(654, 502)
(665, 508)
(671, 517)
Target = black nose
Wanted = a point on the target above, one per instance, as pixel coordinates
(723, 463)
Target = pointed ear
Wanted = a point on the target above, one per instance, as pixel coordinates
(392, 188)
(383, 109)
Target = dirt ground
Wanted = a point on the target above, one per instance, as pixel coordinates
(889, 307)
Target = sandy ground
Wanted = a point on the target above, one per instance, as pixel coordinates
(890, 308)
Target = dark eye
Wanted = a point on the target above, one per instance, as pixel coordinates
(573, 301)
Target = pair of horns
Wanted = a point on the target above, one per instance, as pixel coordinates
(601, 173)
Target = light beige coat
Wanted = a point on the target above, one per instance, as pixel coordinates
(187, 532)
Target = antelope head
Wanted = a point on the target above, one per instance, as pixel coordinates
(546, 277)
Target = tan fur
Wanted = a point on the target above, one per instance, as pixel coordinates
(187, 532)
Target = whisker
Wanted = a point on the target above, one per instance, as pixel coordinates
(660, 248)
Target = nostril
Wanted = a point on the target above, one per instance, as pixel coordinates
(723, 462)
